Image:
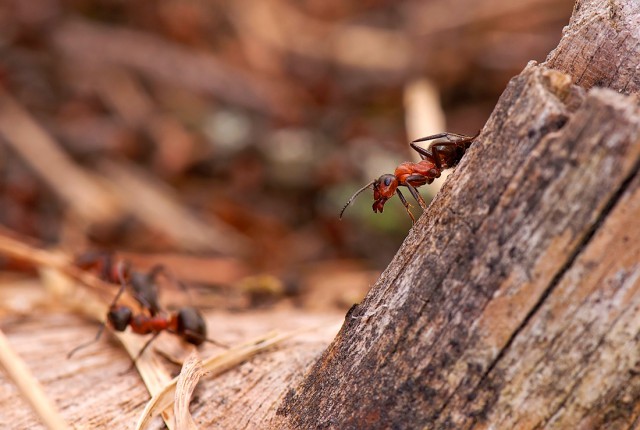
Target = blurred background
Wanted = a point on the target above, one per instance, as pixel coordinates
(223, 137)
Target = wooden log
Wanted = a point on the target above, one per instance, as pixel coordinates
(94, 389)
(600, 45)
(513, 303)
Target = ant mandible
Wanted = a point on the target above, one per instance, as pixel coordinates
(186, 322)
(439, 156)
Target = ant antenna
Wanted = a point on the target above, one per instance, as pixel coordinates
(353, 197)
(91, 342)
(171, 277)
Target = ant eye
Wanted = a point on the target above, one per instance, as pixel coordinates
(387, 181)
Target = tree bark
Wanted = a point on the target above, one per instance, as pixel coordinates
(514, 301)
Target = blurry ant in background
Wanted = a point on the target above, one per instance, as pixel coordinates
(143, 284)
(185, 322)
(441, 155)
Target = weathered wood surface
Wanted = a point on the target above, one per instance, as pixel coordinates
(514, 301)
(94, 390)
(600, 46)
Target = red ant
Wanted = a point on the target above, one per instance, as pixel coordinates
(143, 285)
(440, 155)
(186, 322)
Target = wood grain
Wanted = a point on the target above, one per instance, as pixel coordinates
(92, 392)
(600, 46)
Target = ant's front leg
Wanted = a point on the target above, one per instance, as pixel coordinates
(407, 206)
(416, 195)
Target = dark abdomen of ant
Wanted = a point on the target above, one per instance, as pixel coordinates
(191, 326)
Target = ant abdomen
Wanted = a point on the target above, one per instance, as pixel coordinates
(191, 326)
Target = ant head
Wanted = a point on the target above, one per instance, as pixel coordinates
(383, 189)
(191, 326)
(119, 317)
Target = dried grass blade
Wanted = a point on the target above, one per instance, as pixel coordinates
(38, 149)
(29, 386)
(187, 380)
(158, 206)
(213, 366)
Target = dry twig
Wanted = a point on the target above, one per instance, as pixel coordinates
(29, 387)
(160, 59)
(76, 187)
(214, 366)
(156, 206)
(187, 381)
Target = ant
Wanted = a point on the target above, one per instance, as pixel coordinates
(186, 322)
(441, 155)
(143, 285)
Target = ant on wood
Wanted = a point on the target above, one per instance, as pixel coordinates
(186, 322)
(143, 284)
(441, 155)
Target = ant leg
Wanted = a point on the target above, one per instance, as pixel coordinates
(135, 360)
(435, 153)
(425, 154)
(462, 141)
(434, 137)
(406, 206)
(143, 349)
(205, 339)
(220, 344)
(448, 136)
(432, 154)
(170, 276)
(84, 345)
(416, 195)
